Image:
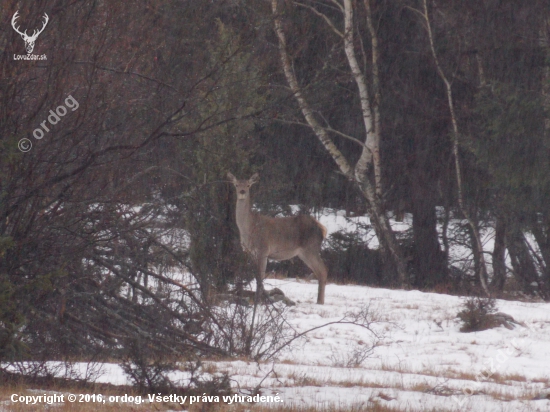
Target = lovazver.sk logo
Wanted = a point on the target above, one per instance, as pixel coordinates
(29, 40)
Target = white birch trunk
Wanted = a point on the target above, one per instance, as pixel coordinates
(370, 155)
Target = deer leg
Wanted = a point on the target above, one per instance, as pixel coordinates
(316, 264)
(262, 264)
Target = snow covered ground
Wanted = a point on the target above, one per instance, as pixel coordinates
(421, 362)
(418, 360)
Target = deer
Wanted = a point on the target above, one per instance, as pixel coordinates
(278, 238)
(29, 40)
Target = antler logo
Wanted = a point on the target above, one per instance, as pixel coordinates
(29, 40)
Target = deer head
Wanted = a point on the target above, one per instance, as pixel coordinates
(29, 40)
(243, 186)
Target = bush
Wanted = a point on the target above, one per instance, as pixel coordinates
(476, 315)
(349, 259)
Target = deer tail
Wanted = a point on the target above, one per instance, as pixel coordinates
(323, 229)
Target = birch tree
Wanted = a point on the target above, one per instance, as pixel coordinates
(366, 173)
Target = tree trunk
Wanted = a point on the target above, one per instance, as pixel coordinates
(499, 254)
(541, 231)
(524, 268)
(388, 242)
(429, 260)
(476, 254)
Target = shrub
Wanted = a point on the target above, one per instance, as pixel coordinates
(476, 315)
(348, 258)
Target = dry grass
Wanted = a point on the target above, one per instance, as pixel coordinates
(373, 406)
(301, 379)
(420, 387)
(210, 367)
(377, 403)
(412, 306)
(289, 362)
(502, 379)
(458, 374)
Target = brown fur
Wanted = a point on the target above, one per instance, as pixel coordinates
(323, 229)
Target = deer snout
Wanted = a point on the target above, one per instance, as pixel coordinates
(242, 192)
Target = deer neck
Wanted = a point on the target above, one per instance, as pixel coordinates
(245, 219)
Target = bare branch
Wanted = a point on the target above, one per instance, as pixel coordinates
(338, 5)
(324, 16)
(328, 129)
(142, 76)
(363, 319)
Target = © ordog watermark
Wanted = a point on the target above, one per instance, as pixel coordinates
(55, 117)
(491, 367)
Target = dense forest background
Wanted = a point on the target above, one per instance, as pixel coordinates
(444, 115)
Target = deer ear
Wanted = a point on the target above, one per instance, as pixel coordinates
(254, 179)
(231, 177)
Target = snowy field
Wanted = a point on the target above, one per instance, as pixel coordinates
(413, 358)
(421, 361)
